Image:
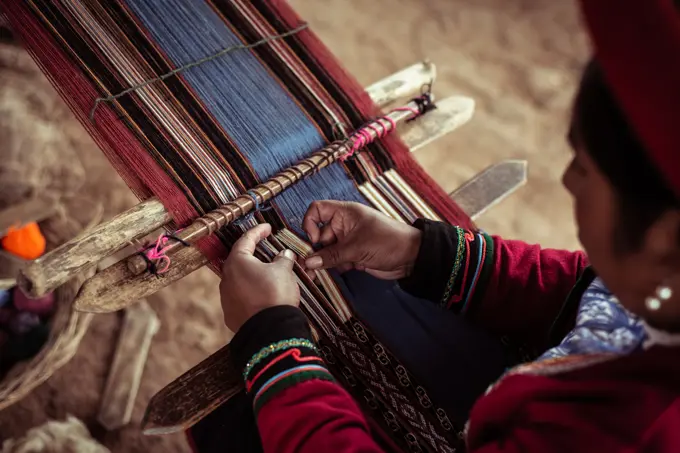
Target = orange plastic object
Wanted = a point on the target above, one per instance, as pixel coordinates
(26, 242)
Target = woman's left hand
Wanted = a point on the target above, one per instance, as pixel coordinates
(249, 286)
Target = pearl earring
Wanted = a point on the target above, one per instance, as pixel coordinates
(661, 295)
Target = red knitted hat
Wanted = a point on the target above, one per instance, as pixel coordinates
(637, 44)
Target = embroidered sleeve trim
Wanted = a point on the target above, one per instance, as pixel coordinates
(280, 366)
(274, 348)
(472, 265)
(287, 379)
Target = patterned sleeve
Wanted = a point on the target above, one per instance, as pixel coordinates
(276, 351)
(512, 288)
(452, 267)
(297, 404)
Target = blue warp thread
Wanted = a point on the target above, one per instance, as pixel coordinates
(258, 208)
(257, 113)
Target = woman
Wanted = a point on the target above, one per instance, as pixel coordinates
(606, 338)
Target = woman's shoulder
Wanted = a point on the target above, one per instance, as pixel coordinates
(610, 405)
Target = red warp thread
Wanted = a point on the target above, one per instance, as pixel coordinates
(119, 144)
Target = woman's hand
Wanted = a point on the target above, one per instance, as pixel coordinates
(249, 286)
(357, 237)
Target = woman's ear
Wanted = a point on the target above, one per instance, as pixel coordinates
(662, 241)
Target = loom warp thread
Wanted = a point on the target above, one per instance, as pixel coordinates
(176, 71)
(359, 139)
(271, 130)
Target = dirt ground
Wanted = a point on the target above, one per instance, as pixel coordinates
(519, 60)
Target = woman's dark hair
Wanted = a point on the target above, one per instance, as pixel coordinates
(601, 127)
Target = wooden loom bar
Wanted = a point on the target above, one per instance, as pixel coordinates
(90, 247)
(490, 187)
(203, 388)
(266, 191)
(401, 84)
(451, 113)
(40, 276)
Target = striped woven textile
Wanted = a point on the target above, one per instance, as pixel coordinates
(199, 138)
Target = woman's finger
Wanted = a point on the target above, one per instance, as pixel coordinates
(285, 258)
(319, 212)
(248, 242)
(313, 275)
(327, 236)
(346, 267)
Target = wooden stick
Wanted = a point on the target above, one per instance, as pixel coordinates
(117, 233)
(58, 266)
(199, 391)
(134, 341)
(219, 380)
(33, 210)
(402, 84)
(490, 187)
(266, 191)
(451, 113)
(115, 288)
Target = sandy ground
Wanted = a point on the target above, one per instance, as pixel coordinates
(520, 60)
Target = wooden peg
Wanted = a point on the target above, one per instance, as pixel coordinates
(139, 327)
(404, 83)
(116, 287)
(450, 114)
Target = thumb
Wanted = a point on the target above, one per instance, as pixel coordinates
(328, 257)
(248, 242)
(285, 258)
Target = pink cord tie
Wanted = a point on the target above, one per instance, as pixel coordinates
(156, 258)
(362, 137)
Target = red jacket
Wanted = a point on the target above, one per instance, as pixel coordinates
(626, 404)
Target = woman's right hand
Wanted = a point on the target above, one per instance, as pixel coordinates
(355, 236)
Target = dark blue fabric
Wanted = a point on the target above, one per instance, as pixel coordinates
(452, 359)
(230, 428)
